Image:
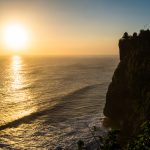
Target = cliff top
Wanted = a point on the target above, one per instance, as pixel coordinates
(137, 42)
(143, 34)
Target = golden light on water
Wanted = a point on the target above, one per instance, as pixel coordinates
(17, 83)
(16, 75)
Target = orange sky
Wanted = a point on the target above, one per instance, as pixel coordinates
(67, 28)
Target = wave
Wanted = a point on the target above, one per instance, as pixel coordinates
(27, 87)
(80, 91)
(64, 99)
(3, 94)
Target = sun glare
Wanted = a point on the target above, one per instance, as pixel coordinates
(16, 37)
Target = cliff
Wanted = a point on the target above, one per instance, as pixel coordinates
(128, 95)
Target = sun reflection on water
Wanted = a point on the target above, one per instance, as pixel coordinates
(16, 72)
(20, 98)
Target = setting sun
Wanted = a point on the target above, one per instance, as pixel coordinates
(75, 74)
(15, 37)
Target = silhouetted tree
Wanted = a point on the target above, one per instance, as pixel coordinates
(141, 33)
(134, 35)
(125, 35)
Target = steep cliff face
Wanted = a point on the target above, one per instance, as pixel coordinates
(128, 96)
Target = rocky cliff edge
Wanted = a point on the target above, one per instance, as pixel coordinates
(128, 95)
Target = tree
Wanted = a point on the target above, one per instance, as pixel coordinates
(125, 35)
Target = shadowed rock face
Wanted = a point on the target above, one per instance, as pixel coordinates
(128, 95)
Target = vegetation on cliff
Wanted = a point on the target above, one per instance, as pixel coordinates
(111, 140)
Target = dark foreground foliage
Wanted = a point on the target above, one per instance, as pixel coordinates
(142, 140)
(139, 142)
(110, 141)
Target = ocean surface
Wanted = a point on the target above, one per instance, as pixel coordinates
(47, 102)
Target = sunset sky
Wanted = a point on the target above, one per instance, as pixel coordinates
(72, 27)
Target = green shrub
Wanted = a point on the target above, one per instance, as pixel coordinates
(142, 141)
(110, 142)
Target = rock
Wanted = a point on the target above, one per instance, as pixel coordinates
(128, 95)
(58, 148)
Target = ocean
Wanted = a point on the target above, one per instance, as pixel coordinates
(47, 102)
